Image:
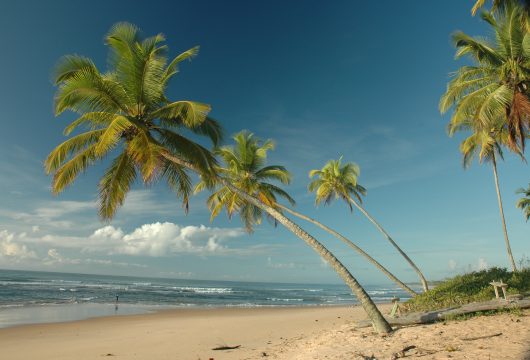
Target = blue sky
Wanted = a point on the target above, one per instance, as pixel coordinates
(358, 79)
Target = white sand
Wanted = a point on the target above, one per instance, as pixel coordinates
(286, 333)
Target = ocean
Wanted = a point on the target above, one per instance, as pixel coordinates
(36, 297)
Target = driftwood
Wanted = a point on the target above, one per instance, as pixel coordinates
(481, 337)
(227, 347)
(401, 354)
(433, 316)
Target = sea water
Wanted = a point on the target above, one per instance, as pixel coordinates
(35, 297)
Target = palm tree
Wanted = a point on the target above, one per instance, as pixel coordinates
(127, 112)
(487, 144)
(524, 202)
(245, 168)
(496, 85)
(378, 321)
(490, 97)
(335, 181)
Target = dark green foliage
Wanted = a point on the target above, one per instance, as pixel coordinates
(467, 288)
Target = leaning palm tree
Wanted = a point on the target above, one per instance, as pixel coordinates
(335, 181)
(245, 168)
(128, 113)
(495, 86)
(524, 202)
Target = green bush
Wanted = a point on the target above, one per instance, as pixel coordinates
(467, 288)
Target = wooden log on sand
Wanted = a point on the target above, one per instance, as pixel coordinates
(439, 315)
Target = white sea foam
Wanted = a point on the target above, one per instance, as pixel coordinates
(202, 290)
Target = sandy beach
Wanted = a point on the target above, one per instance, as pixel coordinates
(274, 333)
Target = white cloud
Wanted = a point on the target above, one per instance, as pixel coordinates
(162, 239)
(12, 250)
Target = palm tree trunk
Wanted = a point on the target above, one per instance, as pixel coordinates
(353, 246)
(506, 240)
(378, 321)
(380, 228)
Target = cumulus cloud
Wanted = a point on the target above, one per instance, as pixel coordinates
(163, 239)
(12, 250)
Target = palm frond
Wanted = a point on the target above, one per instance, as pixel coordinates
(69, 65)
(115, 184)
(94, 119)
(69, 171)
(191, 113)
(172, 68)
(60, 154)
(112, 134)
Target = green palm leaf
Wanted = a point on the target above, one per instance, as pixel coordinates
(115, 184)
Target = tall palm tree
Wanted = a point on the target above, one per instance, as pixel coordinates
(127, 112)
(490, 97)
(496, 85)
(245, 168)
(335, 181)
(524, 202)
(487, 144)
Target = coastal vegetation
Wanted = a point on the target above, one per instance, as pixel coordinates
(470, 287)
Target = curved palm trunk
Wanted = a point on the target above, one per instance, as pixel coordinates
(508, 248)
(380, 228)
(353, 246)
(378, 321)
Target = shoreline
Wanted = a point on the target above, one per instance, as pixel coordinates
(11, 317)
